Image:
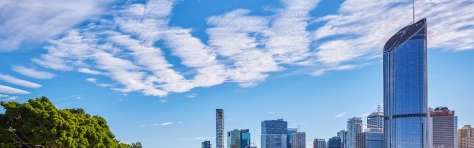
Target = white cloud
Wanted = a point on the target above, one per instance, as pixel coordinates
(19, 82)
(364, 115)
(92, 80)
(11, 98)
(36, 21)
(166, 123)
(89, 71)
(162, 100)
(10, 90)
(33, 73)
(271, 112)
(340, 115)
(191, 96)
(2, 95)
(198, 138)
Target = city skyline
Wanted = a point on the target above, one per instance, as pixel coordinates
(158, 69)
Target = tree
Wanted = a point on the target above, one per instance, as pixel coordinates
(136, 145)
(39, 123)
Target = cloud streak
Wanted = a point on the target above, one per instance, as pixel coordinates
(340, 115)
(19, 82)
(33, 73)
(11, 90)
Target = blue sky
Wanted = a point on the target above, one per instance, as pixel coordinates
(156, 70)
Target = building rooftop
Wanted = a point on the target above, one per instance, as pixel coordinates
(404, 34)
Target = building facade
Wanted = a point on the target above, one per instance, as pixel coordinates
(360, 140)
(466, 137)
(405, 88)
(343, 135)
(219, 128)
(375, 119)
(371, 138)
(319, 143)
(354, 126)
(334, 142)
(443, 127)
(233, 139)
(206, 144)
(289, 136)
(245, 140)
(299, 140)
(274, 134)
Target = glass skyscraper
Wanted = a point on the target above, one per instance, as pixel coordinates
(334, 142)
(274, 134)
(289, 138)
(405, 87)
(245, 138)
(233, 139)
(354, 126)
(219, 128)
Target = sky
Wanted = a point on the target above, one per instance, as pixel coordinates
(156, 70)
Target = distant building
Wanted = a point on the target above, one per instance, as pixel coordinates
(219, 128)
(206, 144)
(274, 134)
(466, 137)
(299, 140)
(443, 127)
(245, 138)
(319, 143)
(371, 138)
(375, 119)
(354, 126)
(233, 139)
(343, 135)
(289, 138)
(334, 142)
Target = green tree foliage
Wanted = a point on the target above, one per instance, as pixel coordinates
(39, 122)
(136, 145)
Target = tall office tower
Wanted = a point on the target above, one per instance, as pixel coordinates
(466, 137)
(289, 138)
(233, 139)
(354, 126)
(299, 140)
(405, 88)
(375, 119)
(343, 135)
(334, 142)
(319, 143)
(443, 126)
(245, 138)
(360, 140)
(274, 134)
(206, 144)
(219, 128)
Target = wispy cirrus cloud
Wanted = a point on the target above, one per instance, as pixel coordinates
(198, 138)
(162, 124)
(33, 73)
(340, 115)
(19, 82)
(36, 21)
(191, 96)
(89, 71)
(11, 90)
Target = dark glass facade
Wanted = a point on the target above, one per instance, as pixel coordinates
(334, 142)
(405, 87)
(289, 139)
(274, 127)
(245, 138)
(206, 144)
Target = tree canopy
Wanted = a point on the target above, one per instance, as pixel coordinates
(39, 123)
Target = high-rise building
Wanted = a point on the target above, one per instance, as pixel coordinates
(405, 87)
(371, 138)
(289, 138)
(274, 134)
(219, 128)
(299, 140)
(375, 119)
(354, 126)
(206, 144)
(245, 138)
(343, 135)
(466, 137)
(319, 143)
(443, 126)
(233, 139)
(334, 142)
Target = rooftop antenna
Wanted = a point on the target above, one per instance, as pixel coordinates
(413, 11)
(378, 108)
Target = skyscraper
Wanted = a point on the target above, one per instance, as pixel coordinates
(245, 138)
(354, 126)
(375, 119)
(334, 142)
(299, 140)
(371, 138)
(219, 128)
(206, 144)
(289, 138)
(343, 135)
(319, 143)
(274, 134)
(233, 139)
(443, 127)
(405, 87)
(466, 137)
